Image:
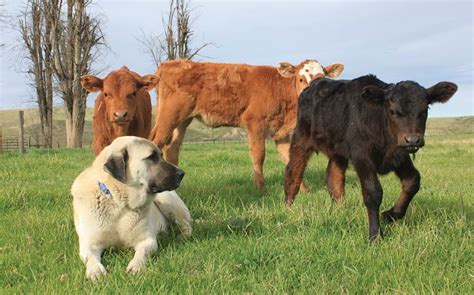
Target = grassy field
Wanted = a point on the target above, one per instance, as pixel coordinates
(245, 241)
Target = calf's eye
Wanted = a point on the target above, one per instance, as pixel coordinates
(396, 113)
(422, 115)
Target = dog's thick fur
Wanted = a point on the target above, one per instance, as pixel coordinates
(133, 206)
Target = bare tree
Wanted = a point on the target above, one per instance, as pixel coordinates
(61, 41)
(176, 40)
(35, 30)
(76, 43)
(3, 17)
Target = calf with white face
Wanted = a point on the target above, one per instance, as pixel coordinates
(308, 71)
(261, 99)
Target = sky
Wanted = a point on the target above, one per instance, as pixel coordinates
(424, 41)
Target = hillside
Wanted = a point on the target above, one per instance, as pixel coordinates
(196, 131)
(9, 125)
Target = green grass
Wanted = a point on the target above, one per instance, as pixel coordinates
(245, 241)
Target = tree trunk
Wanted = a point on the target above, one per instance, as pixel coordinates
(48, 108)
(35, 31)
(76, 104)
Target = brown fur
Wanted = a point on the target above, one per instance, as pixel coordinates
(120, 91)
(258, 98)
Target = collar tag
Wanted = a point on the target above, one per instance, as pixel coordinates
(104, 189)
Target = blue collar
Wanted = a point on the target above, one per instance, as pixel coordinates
(104, 189)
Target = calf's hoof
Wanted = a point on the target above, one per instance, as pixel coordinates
(261, 187)
(391, 215)
(375, 237)
(304, 188)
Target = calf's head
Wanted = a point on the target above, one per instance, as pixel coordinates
(119, 90)
(406, 107)
(138, 163)
(308, 71)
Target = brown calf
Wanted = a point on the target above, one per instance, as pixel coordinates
(123, 106)
(261, 99)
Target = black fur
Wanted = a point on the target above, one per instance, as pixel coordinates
(375, 125)
(116, 165)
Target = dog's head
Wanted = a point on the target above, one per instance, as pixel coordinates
(138, 162)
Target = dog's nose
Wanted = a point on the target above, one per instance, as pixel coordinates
(179, 176)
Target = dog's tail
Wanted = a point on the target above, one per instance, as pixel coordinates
(174, 209)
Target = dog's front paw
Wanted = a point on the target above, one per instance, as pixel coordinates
(136, 266)
(95, 271)
(186, 230)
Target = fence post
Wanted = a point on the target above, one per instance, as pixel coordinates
(21, 140)
(1, 141)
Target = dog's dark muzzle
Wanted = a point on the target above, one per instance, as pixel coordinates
(169, 178)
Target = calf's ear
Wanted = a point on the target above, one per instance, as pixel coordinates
(286, 69)
(149, 82)
(92, 83)
(441, 92)
(116, 165)
(334, 70)
(373, 94)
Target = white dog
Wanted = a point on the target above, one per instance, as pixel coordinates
(124, 200)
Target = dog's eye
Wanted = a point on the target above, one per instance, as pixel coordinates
(155, 157)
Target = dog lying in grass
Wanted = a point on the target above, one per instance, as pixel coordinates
(124, 200)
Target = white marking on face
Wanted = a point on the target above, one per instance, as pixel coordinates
(311, 69)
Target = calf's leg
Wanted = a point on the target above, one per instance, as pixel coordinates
(372, 192)
(171, 151)
(283, 148)
(335, 177)
(300, 153)
(256, 138)
(172, 112)
(410, 180)
(162, 133)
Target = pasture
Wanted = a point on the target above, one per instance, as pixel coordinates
(245, 241)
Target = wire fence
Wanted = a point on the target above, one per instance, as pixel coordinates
(13, 143)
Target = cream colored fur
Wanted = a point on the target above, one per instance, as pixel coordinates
(130, 217)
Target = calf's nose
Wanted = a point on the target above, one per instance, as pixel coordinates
(413, 139)
(120, 115)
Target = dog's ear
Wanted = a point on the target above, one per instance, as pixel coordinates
(116, 165)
